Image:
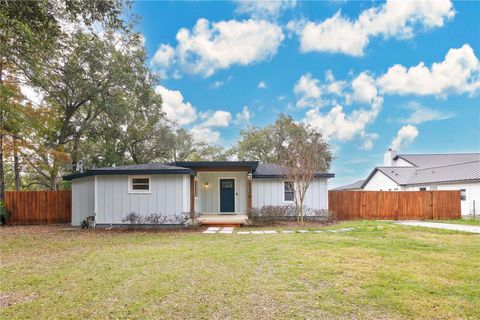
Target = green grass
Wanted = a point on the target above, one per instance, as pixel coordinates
(466, 221)
(378, 270)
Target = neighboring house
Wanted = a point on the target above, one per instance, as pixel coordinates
(206, 187)
(356, 186)
(417, 172)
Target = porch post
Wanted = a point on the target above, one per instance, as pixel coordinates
(249, 192)
(192, 195)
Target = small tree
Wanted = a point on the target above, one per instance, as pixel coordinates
(306, 154)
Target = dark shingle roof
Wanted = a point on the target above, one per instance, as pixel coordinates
(270, 170)
(146, 168)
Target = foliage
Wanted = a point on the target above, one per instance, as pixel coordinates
(88, 222)
(270, 214)
(4, 214)
(153, 218)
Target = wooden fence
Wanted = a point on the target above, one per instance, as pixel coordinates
(395, 205)
(39, 207)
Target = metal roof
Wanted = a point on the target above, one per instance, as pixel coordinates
(271, 170)
(351, 186)
(437, 160)
(456, 172)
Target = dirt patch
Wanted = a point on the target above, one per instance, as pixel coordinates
(8, 299)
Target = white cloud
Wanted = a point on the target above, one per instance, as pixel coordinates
(308, 91)
(164, 55)
(219, 118)
(364, 88)
(404, 137)
(422, 114)
(262, 85)
(206, 135)
(175, 108)
(458, 73)
(264, 9)
(213, 46)
(217, 84)
(397, 19)
(243, 116)
(338, 125)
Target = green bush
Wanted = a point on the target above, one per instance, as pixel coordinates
(4, 214)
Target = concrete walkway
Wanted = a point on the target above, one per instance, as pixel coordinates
(446, 226)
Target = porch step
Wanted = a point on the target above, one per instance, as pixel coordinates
(223, 220)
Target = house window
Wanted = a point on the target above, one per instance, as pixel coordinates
(463, 194)
(422, 188)
(139, 184)
(288, 191)
(195, 188)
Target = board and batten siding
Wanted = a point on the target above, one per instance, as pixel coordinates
(169, 195)
(83, 199)
(270, 192)
(209, 198)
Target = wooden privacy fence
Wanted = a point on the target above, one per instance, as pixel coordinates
(395, 205)
(39, 207)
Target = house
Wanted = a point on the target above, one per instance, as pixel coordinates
(356, 186)
(419, 172)
(221, 190)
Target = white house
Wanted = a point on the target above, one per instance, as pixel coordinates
(417, 172)
(217, 188)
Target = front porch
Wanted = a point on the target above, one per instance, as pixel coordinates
(224, 220)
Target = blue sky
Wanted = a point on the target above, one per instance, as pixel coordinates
(369, 75)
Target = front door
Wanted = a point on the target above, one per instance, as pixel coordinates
(227, 195)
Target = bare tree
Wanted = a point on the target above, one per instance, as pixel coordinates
(305, 156)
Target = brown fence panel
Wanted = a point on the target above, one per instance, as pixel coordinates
(394, 205)
(39, 207)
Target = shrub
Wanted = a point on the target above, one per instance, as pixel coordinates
(4, 214)
(88, 222)
(154, 218)
(270, 214)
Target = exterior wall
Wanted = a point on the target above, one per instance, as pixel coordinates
(169, 195)
(380, 181)
(83, 199)
(472, 192)
(208, 200)
(270, 192)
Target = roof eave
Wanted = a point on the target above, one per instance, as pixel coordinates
(127, 171)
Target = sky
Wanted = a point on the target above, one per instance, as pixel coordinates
(368, 75)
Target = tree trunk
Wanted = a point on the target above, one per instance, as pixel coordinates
(16, 165)
(2, 105)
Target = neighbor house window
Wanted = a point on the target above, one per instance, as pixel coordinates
(288, 191)
(139, 184)
(463, 194)
(422, 188)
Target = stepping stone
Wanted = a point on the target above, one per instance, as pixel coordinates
(303, 231)
(227, 228)
(213, 228)
(319, 231)
(229, 231)
(270, 231)
(257, 232)
(209, 231)
(288, 231)
(243, 232)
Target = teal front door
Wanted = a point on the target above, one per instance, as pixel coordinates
(227, 195)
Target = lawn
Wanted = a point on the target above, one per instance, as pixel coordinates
(379, 270)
